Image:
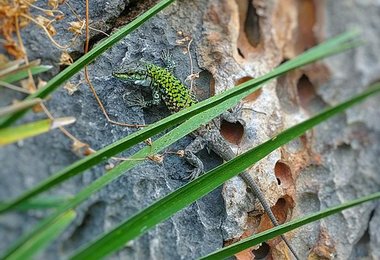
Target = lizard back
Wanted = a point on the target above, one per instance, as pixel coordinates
(176, 95)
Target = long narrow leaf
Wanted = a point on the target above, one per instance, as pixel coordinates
(288, 226)
(330, 47)
(86, 59)
(44, 237)
(177, 200)
(17, 133)
(13, 77)
(42, 203)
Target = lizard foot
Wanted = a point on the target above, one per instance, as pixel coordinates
(166, 57)
(193, 174)
(232, 114)
(196, 162)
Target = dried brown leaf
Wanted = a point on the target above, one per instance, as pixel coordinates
(77, 27)
(81, 149)
(53, 4)
(71, 88)
(47, 24)
(28, 84)
(41, 83)
(65, 59)
(158, 158)
(180, 153)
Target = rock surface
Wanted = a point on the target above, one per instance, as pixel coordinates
(231, 43)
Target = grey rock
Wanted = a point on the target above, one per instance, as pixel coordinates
(348, 145)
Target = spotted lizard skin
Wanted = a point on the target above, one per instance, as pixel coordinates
(176, 95)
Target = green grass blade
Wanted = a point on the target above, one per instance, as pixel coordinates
(17, 133)
(41, 203)
(272, 233)
(22, 74)
(44, 237)
(87, 58)
(177, 200)
(330, 47)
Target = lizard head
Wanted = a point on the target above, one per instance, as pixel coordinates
(134, 72)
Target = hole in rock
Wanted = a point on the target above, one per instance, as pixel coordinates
(262, 252)
(306, 91)
(232, 132)
(281, 202)
(253, 96)
(283, 174)
(307, 19)
(281, 210)
(249, 38)
(252, 26)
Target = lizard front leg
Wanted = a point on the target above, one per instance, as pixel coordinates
(233, 114)
(166, 57)
(156, 97)
(139, 101)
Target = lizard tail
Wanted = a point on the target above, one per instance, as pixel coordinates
(256, 191)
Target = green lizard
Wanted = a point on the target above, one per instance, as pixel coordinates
(177, 96)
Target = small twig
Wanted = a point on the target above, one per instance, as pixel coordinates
(19, 106)
(21, 43)
(47, 32)
(127, 159)
(73, 11)
(13, 87)
(89, 81)
(97, 30)
(42, 9)
(87, 29)
(192, 75)
(15, 66)
(191, 64)
(63, 130)
(79, 19)
(46, 111)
